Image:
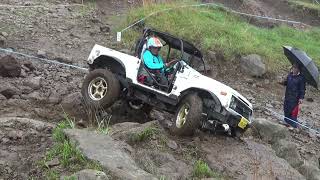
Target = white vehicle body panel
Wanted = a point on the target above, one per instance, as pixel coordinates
(193, 79)
(130, 63)
(188, 78)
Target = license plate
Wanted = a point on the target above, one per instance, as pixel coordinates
(243, 123)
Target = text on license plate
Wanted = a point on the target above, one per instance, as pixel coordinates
(243, 123)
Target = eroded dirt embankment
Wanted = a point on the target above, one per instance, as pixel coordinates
(280, 9)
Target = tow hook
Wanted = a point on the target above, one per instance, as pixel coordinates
(226, 127)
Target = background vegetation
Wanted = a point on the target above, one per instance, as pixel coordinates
(212, 28)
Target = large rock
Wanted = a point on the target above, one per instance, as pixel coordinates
(89, 174)
(73, 105)
(270, 131)
(8, 90)
(161, 163)
(246, 160)
(23, 142)
(153, 161)
(54, 98)
(108, 153)
(253, 65)
(25, 89)
(35, 124)
(310, 171)
(283, 146)
(288, 151)
(35, 96)
(34, 82)
(125, 131)
(9, 67)
(29, 66)
(2, 97)
(4, 34)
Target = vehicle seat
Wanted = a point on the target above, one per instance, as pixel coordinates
(142, 74)
(148, 78)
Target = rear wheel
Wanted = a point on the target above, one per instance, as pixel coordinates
(100, 88)
(188, 116)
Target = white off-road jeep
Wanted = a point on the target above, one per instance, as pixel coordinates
(196, 100)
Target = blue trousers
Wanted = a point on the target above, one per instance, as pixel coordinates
(288, 108)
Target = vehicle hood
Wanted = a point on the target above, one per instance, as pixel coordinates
(217, 87)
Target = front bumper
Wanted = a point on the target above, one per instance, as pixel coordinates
(236, 120)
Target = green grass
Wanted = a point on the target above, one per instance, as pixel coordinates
(71, 178)
(202, 170)
(70, 158)
(143, 135)
(52, 175)
(218, 30)
(103, 126)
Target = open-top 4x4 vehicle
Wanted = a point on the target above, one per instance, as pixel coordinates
(196, 100)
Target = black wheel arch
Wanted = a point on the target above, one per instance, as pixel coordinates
(113, 64)
(202, 94)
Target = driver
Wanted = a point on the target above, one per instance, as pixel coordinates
(154, 62)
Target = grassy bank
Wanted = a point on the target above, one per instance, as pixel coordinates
(218, 30)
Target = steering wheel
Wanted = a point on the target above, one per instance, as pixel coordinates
(178, 67)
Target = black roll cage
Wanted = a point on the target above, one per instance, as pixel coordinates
(172, 42)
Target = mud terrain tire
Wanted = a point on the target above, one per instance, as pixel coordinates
(104, 84)
(188, 116)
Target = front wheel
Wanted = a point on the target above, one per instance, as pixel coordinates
(100, 88)
(237, 132)
(188, 116)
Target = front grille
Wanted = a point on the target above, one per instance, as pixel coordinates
(241, 107)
